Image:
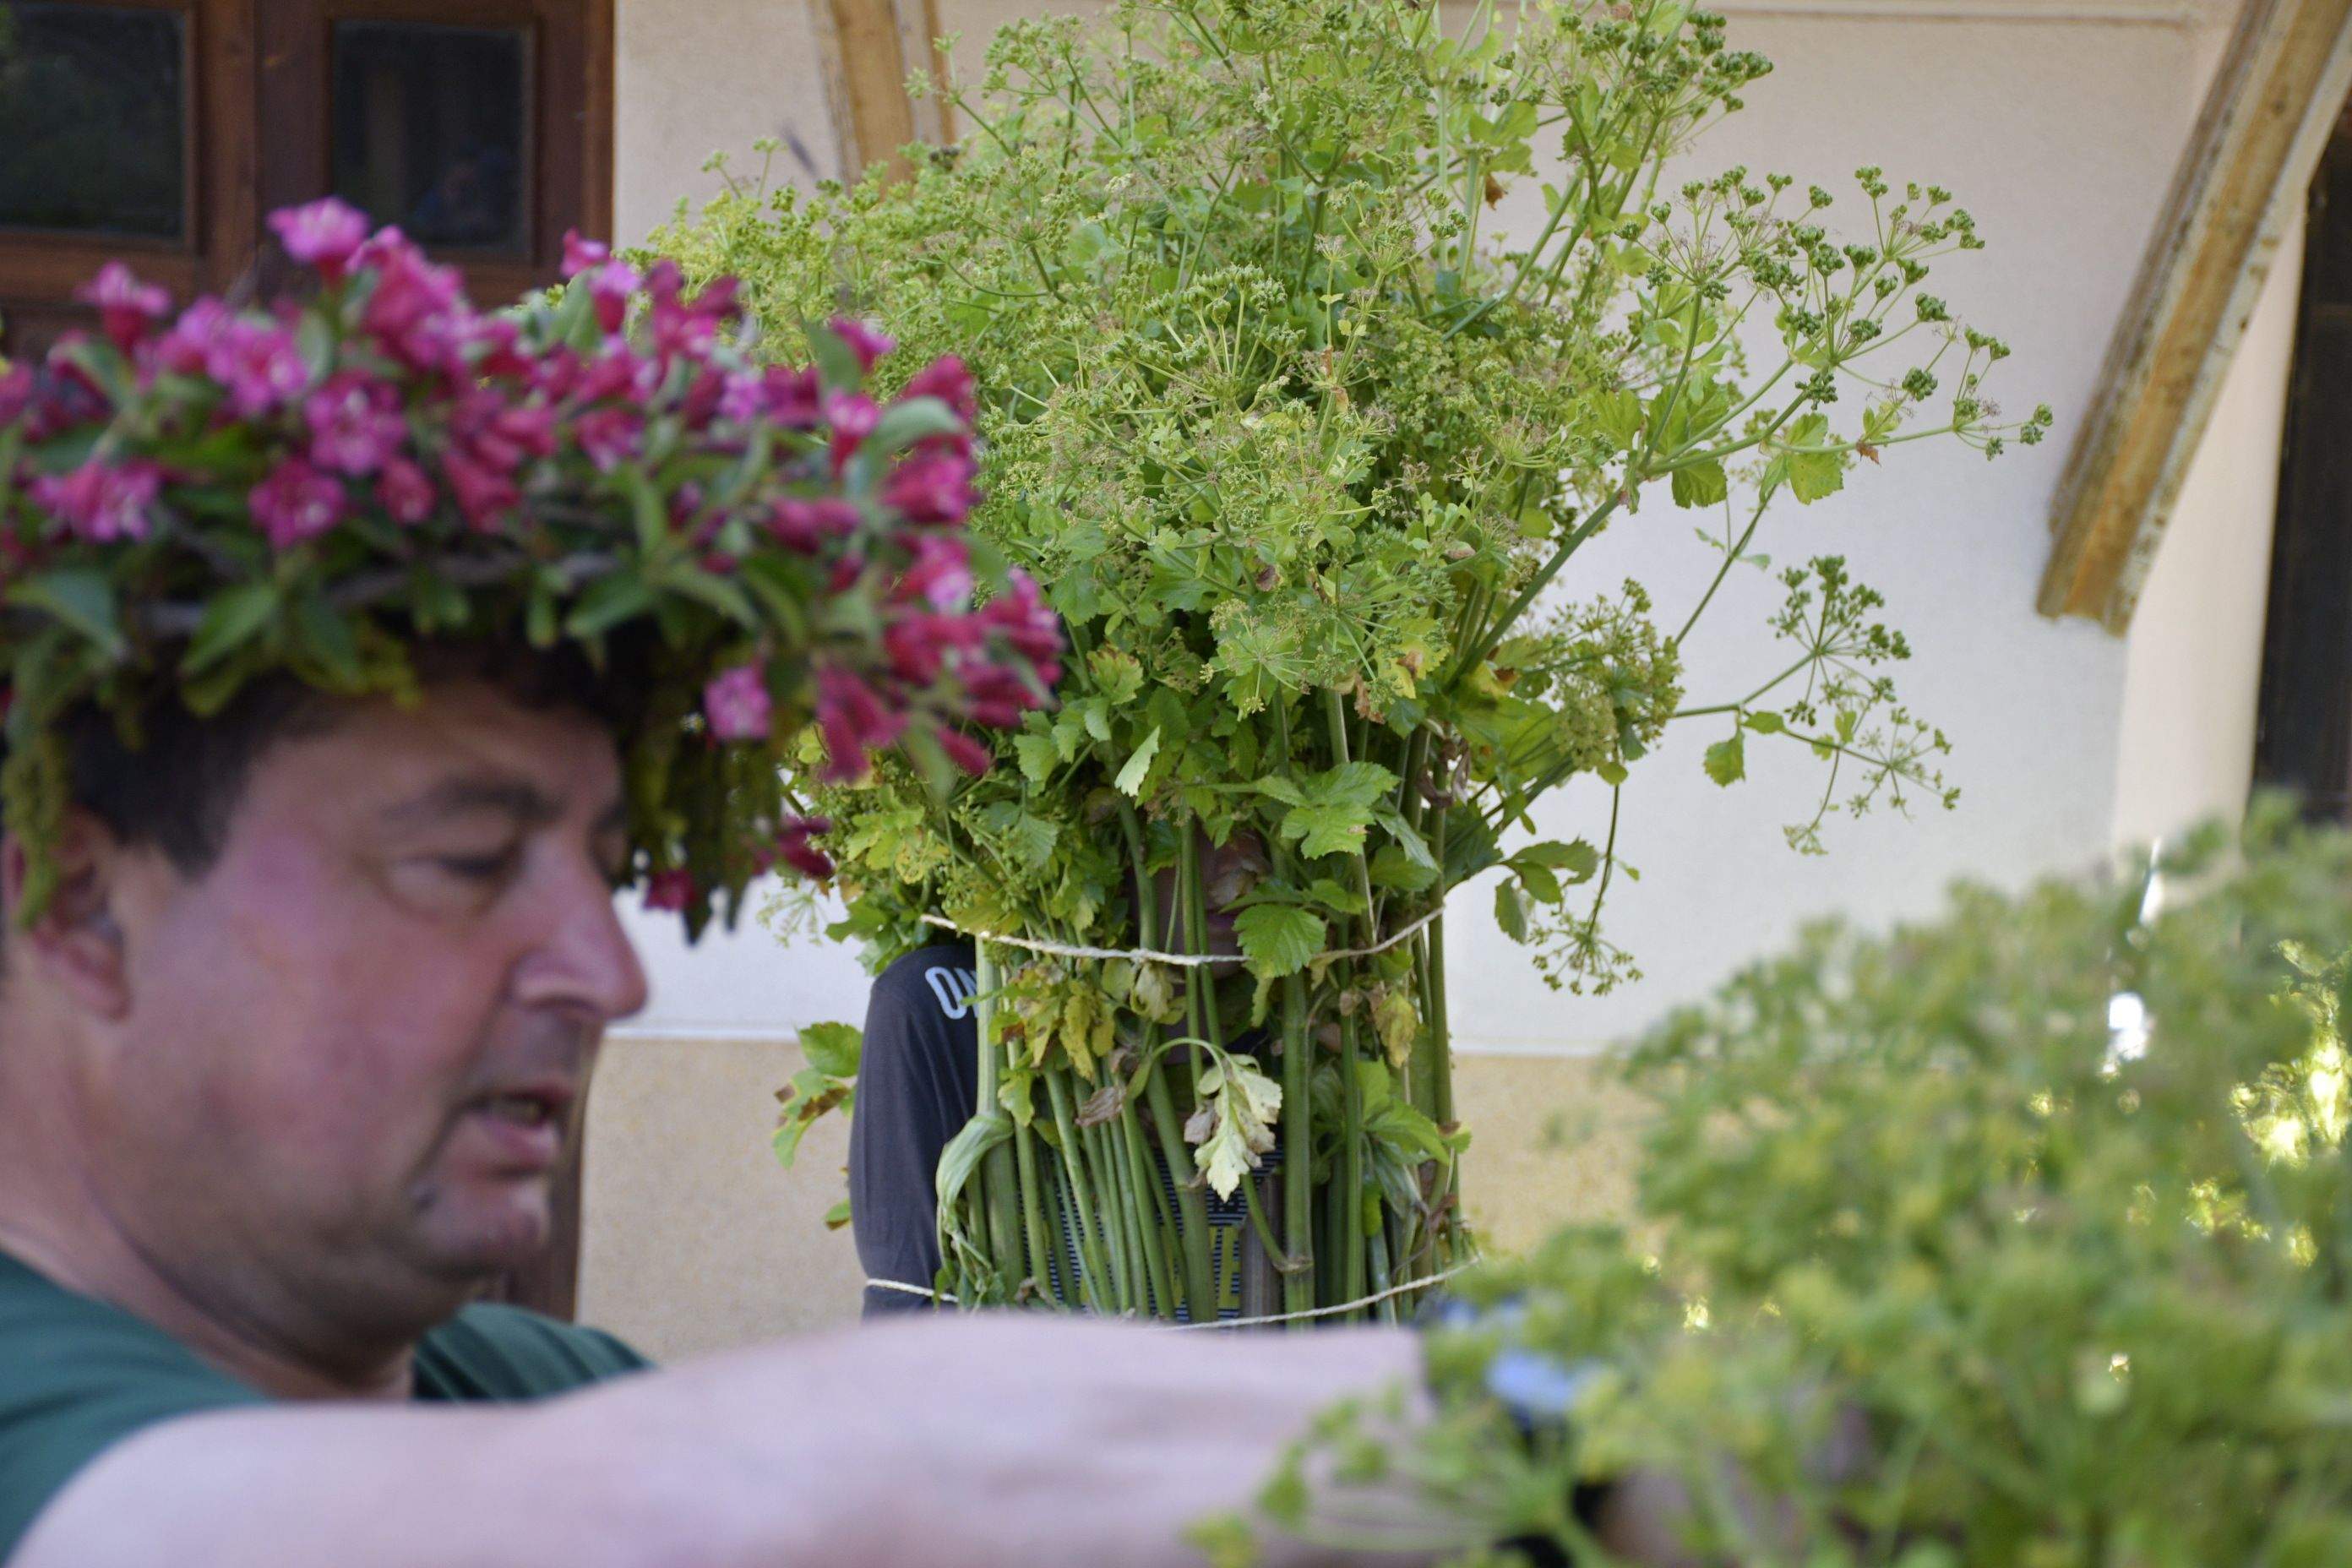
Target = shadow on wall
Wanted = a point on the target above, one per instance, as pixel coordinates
(695, 1239)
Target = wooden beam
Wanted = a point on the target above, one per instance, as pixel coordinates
(864, 47)
(2274, 101)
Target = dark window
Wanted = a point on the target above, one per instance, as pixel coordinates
(93, 120)
(2305, 739)
(431, 131)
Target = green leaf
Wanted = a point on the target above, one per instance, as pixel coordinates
(1275, 787)
(1541, 884)
(326, 635)
(617, 597)
(1578, 859)
(1611, 774)
(1618, 415)
(1765, 722)
(833, 1048)
(81, 597)
(1726, 760)
(912, 420)
(1130, 777)
(1039, 756)
(837, 1215)
(1278, 939)
(1393, 872)
(232, 618)
(646, 508)
(1511, 910)
(1701, 484)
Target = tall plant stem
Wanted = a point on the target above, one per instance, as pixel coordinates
(1119, 1215)
(1440, 1034)
(1350, 1177)
(1298, 1150)
(999, 1175)
(1502, 623)
(1082, 1194)
(1154, 1221)
(1191, 1209)
(1043, 1265)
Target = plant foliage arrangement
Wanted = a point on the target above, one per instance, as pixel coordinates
(197, 499)
(2046, 1204)
(1305, 451)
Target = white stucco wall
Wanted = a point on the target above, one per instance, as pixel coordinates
(2058, 123)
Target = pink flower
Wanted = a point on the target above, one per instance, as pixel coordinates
(941, 574)
(864, 342)
(580, 253)
(415, 308)
(326, 234)
(609, 290)
(609, 435)
(405, 492)
(261, 366)
(16, 393)
(295, 502)
(356, 423)
(854, 719)
(680, 331)
(853, 417)
(936, 487)
(1022, 618)
(102, 501)
(743, 396)
(805, 525)
(128, 309)
(948, 380)
(964, 751)
(669, 890)
(186, 349)
(792, 396)
(493, 345)
(617, 371)
(736, 702)
(485, 496)
(792, 846)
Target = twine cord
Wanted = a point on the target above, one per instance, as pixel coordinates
(941, 1298)
(1182, 960)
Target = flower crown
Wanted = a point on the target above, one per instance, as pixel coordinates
(317, 488)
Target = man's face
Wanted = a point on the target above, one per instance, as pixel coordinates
(354, 1048)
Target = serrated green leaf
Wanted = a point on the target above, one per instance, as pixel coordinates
(1511, 910)
(1278, 939)
(833, 1048)
(1726, 760)
(1038, 755)
(1765, 722)
(1701, 484)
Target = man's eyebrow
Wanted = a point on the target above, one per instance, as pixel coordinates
(527, 804)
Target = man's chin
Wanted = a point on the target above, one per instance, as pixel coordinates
(484, 1234)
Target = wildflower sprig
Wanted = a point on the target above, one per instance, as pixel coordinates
(194, 500)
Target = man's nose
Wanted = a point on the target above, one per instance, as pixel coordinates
(587, 960)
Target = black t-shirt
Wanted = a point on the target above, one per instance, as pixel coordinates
(918, 1085)
(78, 1376)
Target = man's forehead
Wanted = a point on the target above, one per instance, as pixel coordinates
(464, 747)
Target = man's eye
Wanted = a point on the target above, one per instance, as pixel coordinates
(478, 868)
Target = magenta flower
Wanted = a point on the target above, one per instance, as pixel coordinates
(16, 393)
(805, 525)
(948, 380)
(186, 348)
(356, 423)
(670, 890)
(405, 492)
(964, 751)
(864, 342)
(792, 846)
(580, 253)
(609, 435)
(856, 720)
(486, 497)
(793, 396)
(326, 234)
(260, 364)
(736, 703)
(102, 501)
(853, 417)
(940, 574)
(680, 331)
(413, 311)
(935, 488)
(295, 502)
(609, 291)
(128, 309)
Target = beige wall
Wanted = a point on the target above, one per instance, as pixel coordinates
(695, 1240)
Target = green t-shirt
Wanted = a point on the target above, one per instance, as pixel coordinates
(76, 1376)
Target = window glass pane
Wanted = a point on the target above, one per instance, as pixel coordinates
(93, 115)
(430, 131)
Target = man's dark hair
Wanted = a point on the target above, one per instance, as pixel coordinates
(179, 787)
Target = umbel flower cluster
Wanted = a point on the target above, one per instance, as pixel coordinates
(325, 487)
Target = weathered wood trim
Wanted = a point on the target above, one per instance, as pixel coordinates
(864, 47)
(2274, 101)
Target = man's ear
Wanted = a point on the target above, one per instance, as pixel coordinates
(77, 940)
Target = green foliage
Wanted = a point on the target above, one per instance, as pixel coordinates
(1303, 451)
(2017, 1238)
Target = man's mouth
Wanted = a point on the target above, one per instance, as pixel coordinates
(524, 1126)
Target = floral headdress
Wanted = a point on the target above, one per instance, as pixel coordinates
(188, 503)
